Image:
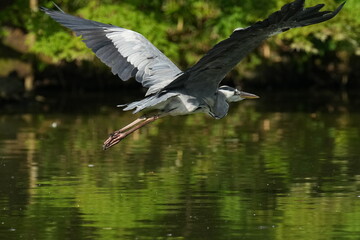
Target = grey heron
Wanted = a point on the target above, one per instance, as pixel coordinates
(172, 91)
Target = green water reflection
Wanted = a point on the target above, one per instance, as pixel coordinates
(269, 170)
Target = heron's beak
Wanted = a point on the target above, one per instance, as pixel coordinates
(246, 95)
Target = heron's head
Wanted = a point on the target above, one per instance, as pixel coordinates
(234, 95)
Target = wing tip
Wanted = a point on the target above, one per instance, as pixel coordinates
(298, 16)
(58, 7)
(47, 11)
(338, 9)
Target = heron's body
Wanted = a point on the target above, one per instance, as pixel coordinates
(172, 91)
(177, 102)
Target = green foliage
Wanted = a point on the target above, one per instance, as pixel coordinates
(15, 14)
(172, 25)
(333, 34)
(55, 41)
(185, 29)
(126, 16)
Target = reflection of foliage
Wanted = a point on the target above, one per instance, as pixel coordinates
(252, 170)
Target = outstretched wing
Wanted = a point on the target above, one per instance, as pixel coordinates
(209, 71)
(127, 53)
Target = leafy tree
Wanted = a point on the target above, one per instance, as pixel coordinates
(186, 29)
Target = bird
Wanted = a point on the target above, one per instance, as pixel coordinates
(171, 91)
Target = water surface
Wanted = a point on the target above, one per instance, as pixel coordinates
(284, 167)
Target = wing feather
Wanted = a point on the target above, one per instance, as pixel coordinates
(210, 70)
(126, 52)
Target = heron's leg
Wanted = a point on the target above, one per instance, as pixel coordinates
(119, 135)
(133, 123)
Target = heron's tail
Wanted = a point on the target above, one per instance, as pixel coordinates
(148, 102)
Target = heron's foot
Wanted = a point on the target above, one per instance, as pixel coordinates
(114, 138)
(119, 135)
(115, 133)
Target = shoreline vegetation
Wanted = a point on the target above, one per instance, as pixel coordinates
(37, 53)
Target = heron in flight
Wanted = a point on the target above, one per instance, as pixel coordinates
(172, 91)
